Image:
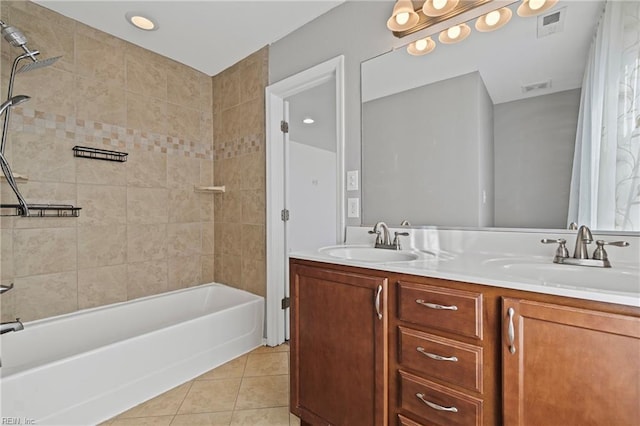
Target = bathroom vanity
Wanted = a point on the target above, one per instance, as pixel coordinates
(375, 345)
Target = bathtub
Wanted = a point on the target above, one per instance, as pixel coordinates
(85, 367)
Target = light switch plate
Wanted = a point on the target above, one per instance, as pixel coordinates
(352, 180)
(353, 207)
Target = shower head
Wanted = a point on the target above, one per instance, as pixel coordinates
(38, 64)
(16, 100)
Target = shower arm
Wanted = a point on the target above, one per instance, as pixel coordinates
(7, 113)
(4, 164)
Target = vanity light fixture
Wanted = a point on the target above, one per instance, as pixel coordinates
(434, 15)
(140, 21)
(535, 7)
(421, 47)
(493, 20)
(454, 34)
(438, 7)
(403, 16)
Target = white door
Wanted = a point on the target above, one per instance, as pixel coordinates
(305, 179)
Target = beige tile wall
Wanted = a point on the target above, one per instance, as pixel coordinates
(142, 229)
(239, 163)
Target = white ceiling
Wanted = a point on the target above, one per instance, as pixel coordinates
(208, 35)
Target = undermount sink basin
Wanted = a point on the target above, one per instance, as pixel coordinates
(369, 254)
(615, 279)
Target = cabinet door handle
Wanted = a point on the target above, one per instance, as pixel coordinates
(435, 406)
(436, 357)
(436, 306)
(511, 334)
(378, 293)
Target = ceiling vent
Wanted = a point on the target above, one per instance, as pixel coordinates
(551, 23)
(536, 86)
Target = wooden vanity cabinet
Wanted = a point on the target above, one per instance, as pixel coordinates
(564, 365)
(576, 362)
(443, 360)
(338, 345)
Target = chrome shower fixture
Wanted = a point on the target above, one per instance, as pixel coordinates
(38, 63)
(16, 100)
(16, 38)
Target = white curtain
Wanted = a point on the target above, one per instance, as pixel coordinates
(605, 182)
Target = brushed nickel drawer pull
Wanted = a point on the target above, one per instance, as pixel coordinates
(436, 357)
(436, 306)
(511, 332)
(377, 302)
(420, 396)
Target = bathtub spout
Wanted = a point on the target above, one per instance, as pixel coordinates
(6, 327)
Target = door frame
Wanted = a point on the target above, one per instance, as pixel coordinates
(275, 94)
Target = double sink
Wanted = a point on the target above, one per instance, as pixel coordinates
(540, 270)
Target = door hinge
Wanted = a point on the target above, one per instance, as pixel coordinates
(284, 215)
(284, 126)
(285, 303)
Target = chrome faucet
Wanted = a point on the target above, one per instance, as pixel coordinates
(6, 327)
(384, 237)
(583, 238)
(580, 251)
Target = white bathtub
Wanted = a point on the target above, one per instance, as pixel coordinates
(85, 367)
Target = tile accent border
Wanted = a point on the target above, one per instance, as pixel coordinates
(240, 146)
(110, 136)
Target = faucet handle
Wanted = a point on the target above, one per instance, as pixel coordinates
(561, 251)
(378, 237)
(396, 239)
(4, 288)
(601, 254)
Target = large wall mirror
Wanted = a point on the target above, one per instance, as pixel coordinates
(480, 133)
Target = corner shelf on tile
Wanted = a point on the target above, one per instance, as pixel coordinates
(211, 189)
(42, 210)
(99, 154)
(17, 177)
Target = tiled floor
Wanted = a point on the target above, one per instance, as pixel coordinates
(252, 390)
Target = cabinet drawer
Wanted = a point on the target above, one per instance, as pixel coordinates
(404, 421)
(445, 359)
(445, 309)
(438, 404)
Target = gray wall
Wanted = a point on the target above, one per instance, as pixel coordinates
(484, 143)
(356, 30)
(428, 155)
(534, 142)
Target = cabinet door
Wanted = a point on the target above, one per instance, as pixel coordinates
(338, 347)
(569, 366)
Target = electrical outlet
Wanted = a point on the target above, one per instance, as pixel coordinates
(353, 207)
(352, 180)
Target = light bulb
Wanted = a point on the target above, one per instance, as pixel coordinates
(439, 4)
(536, 4)
(421, 44)
(402, 18)
(142, 23)
(453, 32)
(492, 18)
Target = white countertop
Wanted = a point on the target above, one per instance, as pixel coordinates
(493, 257)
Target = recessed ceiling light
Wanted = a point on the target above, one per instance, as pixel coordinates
(308, 120)
(140, 21)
